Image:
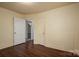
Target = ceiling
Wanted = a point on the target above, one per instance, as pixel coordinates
(32, 7)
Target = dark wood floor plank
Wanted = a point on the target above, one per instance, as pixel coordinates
(29, 50)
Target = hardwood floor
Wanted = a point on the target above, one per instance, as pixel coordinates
(29, 50)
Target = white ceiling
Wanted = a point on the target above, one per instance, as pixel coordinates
(33, 7)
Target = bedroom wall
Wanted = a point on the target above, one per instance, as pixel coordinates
(6, 27)
(57, 28)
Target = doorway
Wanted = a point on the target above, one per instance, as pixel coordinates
(23, 31)
(29, 30)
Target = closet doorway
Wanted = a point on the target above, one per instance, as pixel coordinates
(29, 30)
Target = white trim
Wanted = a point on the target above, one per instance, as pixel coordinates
(75, 51)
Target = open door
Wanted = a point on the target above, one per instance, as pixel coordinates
(19, 31)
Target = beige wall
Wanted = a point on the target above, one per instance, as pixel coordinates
(57, 28)
(6, 27)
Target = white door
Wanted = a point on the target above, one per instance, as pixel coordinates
(19, 31)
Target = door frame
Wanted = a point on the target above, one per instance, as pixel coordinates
(25, 29)
(32, 27)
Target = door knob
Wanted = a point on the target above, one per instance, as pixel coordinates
(14, 32)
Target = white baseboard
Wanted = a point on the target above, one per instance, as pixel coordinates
(75, 51)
